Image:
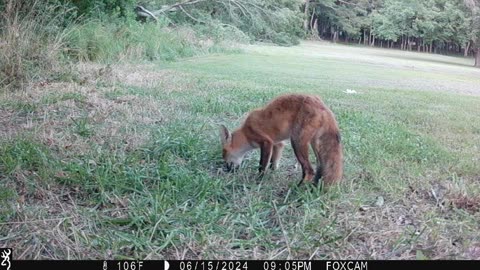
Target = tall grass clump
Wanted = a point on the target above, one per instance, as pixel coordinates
(39, 38)
(128, 40)
(31, 40)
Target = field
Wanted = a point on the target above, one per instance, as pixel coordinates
(124, 161)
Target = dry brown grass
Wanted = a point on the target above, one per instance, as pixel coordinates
(29, 49)
(57, 105)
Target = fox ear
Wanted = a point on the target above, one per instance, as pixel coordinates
(224, 134)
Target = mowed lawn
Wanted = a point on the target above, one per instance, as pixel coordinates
(124, 161)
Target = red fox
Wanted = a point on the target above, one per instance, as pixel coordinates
(304, 119)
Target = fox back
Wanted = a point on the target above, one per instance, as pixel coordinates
(305, 120)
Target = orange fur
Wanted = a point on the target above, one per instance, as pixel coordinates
(305, 120)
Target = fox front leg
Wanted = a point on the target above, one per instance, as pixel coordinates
(276, 155)
(266, 149)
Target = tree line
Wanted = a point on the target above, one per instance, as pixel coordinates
(433, 26)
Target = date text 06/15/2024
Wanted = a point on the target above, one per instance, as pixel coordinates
(245, 265)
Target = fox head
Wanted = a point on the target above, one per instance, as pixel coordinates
(235, 146)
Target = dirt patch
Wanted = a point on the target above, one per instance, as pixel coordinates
(142, 76)
(462, 201)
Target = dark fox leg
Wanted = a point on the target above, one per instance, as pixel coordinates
(300, 149)
(266, 149)
(316, 146)
(318, 174)
(277, 153)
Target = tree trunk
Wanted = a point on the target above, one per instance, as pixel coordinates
(364, 37)
(467, 48)
(323, 31)
(430, 49)
(476, 53)
(311, 20)
(305, 22)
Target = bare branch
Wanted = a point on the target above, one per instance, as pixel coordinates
(141, 11)
(347, 3)
(242, 8)
(177, 5)
(230, 6)
(190, 16)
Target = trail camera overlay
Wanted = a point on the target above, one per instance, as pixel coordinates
(6, 258)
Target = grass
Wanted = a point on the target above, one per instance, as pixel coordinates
(31, 42)
(40, 41)
(133, 41)
(127, 164)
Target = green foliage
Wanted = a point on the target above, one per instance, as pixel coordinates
(219, 32)
(445, 23)
(277, 21)
(133, 41)
(384, 27)
(22, 154)
(82, 127)
(473, 12)
(96, 8)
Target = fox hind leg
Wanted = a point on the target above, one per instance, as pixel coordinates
(300, 148)
(316, 146)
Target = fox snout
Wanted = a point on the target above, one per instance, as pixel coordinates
(230, 167)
